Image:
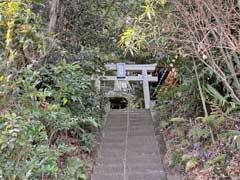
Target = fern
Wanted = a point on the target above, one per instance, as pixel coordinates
(221, 100)
(216, 118)
(179, 120)
(218, 159)
(198, 133)
(233, 138)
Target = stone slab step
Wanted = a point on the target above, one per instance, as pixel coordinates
(146, 159)
(141, 143)
(116, 125)
(141, 133)
(144, 168)
(143, 154)
(117, 128)
(113, 139)
(147, 176)
(139, 124)
(108, 161)
(102, 169)
(143, 160)
(117, 117)
(112, 133)
(136, 128)
(117, 149)
(96, 176)
(112, 151)
(144, 148)
(142, 139)
(113, 154)
(113, 145)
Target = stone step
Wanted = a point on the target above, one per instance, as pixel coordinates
(113, 117)
(102, 169)
(147, 123)
(140, 159)
(96, 176)
(116, 125)
(147, 176)
(141, 143)
(144, 168)
(143, 154)
(147, 164)
(113, 144)
(118, 134)
(143, 151)
(140, 116)
(118, 120)
(112, 149)
(144, 139)
(145, 132)
(144, 148)
(113, 139)
(112, 154)
(128, 148)
(115, 128)
(108, 161)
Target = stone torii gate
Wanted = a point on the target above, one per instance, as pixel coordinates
(122, 68)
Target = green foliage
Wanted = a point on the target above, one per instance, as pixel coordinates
(86, 141)
(133, 39)
(191, 164)
(163, 124)
(74, 169)
(233, 138)
(23, 148)
(178, 132)
(221, 100)
(178, 120)
(145, 29)
(196, 133)
(176, 158)
(218, 159)
(43, 104)
(20, 40)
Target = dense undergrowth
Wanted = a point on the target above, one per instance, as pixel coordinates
(40, 115)
(199, 147)
(49, 108)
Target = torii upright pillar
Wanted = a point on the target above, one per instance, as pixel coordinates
(146, 91)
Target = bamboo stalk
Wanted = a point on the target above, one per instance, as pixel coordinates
(202, 99)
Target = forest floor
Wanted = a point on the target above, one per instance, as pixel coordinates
(191, 155)
(87, 156)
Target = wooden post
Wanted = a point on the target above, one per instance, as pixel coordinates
(146, 91)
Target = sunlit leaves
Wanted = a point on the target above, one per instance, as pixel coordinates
(148, 9)
(144, 30)
(18, 24)
(133, 39)
(162, 2)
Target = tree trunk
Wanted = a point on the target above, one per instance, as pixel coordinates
(53, 14)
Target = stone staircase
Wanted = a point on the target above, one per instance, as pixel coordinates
(129, 149)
